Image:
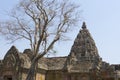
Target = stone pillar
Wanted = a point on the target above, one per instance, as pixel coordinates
(115, 75)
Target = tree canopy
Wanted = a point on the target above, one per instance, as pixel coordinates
(42, 23)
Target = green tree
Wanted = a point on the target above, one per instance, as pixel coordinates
(42, 23)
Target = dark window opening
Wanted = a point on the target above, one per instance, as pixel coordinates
(9, 78)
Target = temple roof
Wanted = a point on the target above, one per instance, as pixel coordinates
(84, 44)
(84, 54)
(53, 63)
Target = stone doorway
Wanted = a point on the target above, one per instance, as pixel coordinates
(8, 77)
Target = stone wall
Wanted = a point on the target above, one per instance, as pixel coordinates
(56, 75)
(40, 76)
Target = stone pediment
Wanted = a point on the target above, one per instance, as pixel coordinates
(11, 58)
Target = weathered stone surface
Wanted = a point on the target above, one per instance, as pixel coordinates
(54, 63)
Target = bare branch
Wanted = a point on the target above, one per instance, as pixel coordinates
(49, 47)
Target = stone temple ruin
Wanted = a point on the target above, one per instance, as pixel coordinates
(83, 63)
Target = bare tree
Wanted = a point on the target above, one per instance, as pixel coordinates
(42, 23)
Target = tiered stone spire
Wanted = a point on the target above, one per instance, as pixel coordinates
(84, 45)
(84, 54)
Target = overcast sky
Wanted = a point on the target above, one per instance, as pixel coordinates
(102, 18)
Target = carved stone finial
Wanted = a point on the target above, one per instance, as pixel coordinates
(84, 25)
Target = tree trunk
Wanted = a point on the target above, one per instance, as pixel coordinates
(32, 71)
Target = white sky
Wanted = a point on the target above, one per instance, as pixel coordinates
(102, 18)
